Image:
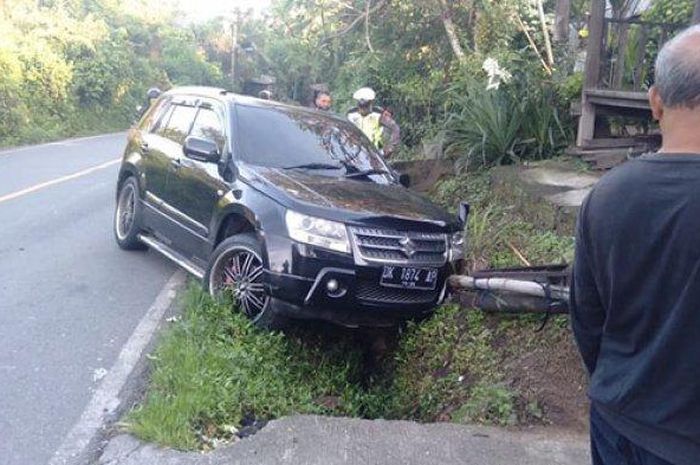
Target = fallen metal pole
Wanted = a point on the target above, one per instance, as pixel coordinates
(530, 288)
(506, 302)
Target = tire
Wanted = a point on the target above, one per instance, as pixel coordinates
(127, 216)
(236, 266)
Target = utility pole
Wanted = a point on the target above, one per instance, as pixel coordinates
(234, 48)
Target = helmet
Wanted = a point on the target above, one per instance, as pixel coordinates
(366, 94)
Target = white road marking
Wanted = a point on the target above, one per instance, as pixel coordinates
(24, 148)
(105, 401)
(44, 185)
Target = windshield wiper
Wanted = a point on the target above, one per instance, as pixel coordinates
(359, 174)
(314, 166)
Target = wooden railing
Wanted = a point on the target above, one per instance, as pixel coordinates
(629, 49)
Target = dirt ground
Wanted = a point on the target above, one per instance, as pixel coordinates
(552, 374)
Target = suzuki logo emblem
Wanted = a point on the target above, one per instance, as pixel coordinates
(409, 247)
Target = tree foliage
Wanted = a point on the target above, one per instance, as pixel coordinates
(418, 56)
(65, 62)
(70, 66)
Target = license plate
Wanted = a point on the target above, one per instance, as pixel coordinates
(409, 277)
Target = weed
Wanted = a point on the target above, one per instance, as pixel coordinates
(488, 404)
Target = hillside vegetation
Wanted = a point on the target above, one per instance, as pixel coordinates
(73, 67)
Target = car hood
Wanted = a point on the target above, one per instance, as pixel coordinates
(333, 194)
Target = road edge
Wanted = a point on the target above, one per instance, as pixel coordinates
(106, 402)
(23, 147)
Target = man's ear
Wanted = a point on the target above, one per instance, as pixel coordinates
(656, 103)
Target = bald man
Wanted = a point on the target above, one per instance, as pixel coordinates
(635, 294)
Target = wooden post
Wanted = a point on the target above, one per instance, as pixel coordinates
(561, 21)
(696, 14)
(586, 125)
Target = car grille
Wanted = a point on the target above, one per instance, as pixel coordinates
(372, 292)
(406, 248)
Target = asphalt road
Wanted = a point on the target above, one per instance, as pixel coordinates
(69, 297)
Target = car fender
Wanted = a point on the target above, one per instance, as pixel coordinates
(130, 167)
(259, 210)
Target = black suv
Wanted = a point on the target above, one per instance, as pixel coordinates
(290, 210)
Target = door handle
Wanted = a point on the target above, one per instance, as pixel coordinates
(144, 147)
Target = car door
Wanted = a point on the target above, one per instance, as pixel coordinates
(150, 144)
(166, 150)
(196, 186)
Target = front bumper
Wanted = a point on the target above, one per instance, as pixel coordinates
(299, 289)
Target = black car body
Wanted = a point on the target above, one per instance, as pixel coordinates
(219, 182)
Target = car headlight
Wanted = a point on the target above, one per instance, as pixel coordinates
(316, 231)
(457, 246)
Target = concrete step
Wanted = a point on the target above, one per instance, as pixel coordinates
(604, 159)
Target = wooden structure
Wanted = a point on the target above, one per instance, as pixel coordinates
(619, 69)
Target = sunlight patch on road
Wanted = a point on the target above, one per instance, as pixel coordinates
(60, 180)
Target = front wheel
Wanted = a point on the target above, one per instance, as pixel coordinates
(236, 269)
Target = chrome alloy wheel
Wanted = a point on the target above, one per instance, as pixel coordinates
(240, 272)
(126, 211)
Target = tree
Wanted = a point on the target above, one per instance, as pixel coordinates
(446, 14)
(561, 22)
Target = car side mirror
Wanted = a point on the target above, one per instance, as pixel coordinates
(464, 212)
(201, 149)
(405, 180)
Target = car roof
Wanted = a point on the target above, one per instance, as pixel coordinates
(224, 95)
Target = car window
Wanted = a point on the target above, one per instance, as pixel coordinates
(154, 115)
(282, 137)
(207, 125)
(178, 123)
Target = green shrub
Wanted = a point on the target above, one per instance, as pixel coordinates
(520, 120)
(484, 127)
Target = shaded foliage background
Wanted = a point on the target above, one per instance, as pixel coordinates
(77, 66)
(71, 66)
(433, 80)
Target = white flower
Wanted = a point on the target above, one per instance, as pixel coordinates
(496, 74)
(491, 66)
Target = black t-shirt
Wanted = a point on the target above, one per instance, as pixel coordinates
(635, 302)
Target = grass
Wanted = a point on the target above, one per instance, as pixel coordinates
(214, 372)
(436, 365)
(504, 220)
(78, 123)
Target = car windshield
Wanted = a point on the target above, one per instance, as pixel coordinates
(291, 138)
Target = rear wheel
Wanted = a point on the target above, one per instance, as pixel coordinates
(127, 216)
(236, 269)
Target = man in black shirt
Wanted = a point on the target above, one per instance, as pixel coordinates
(635, 295)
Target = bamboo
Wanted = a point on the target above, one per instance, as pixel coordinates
(545, 33)
(523, 28)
